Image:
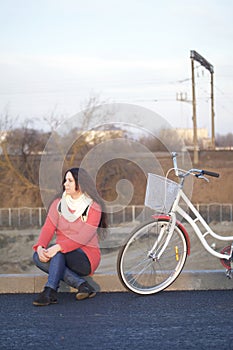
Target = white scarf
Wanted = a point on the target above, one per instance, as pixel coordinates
(78, 205)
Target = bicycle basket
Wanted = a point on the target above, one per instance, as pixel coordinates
(160, 193)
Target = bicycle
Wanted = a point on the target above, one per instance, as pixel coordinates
(155, 253)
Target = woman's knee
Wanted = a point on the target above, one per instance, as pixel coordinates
(35, 258)
(41, 265)
(59, 257)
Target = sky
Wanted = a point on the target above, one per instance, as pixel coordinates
(56, 54)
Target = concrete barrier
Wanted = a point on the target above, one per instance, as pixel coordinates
(188, 280)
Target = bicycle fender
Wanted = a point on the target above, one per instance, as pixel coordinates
(178, 224)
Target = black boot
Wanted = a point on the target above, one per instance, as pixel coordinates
(85, 291)
(48, 296)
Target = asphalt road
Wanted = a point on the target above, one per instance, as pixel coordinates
(169, 320)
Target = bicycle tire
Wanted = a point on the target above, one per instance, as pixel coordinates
(145, 275)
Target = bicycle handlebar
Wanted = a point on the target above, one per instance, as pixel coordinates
(200, 172)
(209, 173)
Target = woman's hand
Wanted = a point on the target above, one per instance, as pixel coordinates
(53, 250)
(42, 253)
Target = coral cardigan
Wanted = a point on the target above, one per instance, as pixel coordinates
(73, 235)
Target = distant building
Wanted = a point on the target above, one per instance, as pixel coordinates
(202, 135)
(102, 135)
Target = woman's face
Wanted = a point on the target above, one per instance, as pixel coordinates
(70, 186)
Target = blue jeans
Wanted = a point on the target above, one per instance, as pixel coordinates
(59, 268)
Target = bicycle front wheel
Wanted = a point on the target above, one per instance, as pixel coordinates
(148, 263)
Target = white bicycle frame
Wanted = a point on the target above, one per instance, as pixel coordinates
(193, 222)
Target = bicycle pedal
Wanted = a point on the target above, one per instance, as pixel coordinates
(229, 273)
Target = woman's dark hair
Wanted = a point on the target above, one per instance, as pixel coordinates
(85, 183)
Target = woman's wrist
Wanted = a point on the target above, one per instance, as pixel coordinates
(39, 248)
(58, 247)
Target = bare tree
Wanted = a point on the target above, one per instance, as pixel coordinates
(21, 148)
(19, 161)
(224, 140)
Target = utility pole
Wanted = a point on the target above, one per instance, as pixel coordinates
(195, 140)
(212, 111)
(197, 57)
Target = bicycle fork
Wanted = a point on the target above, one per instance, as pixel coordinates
(153, 252)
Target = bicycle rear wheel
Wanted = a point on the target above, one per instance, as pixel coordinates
(144, 273)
